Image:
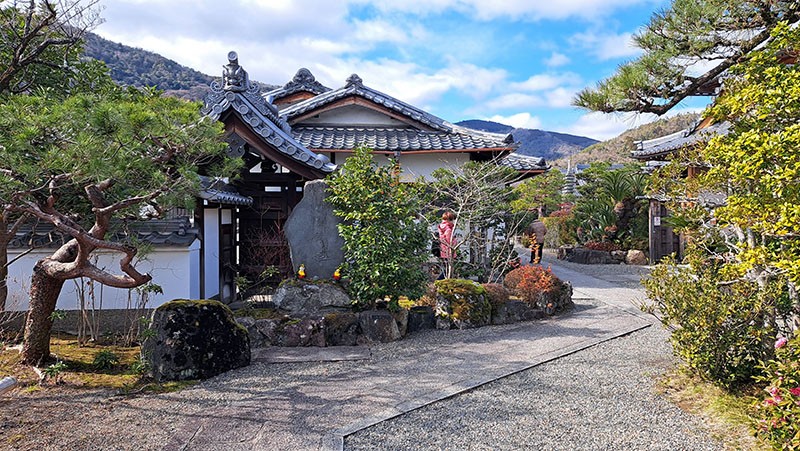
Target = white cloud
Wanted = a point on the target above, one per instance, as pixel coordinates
(557, 60)
(604, 126)
(560, 97)
(414, 84)
(607, 46)
(515, 100)
(379, 31)
(519, 120)
(513, 9)
(543, 82)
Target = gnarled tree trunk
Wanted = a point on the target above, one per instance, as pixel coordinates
(44, 294)
(3, 273)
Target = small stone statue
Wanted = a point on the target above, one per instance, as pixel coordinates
(234, 77)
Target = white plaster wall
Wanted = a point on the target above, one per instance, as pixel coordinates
(176, 270)
(211, 252)
(353, 115)
(414, 166)
(422, 165)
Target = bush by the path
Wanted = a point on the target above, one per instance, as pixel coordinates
(540, 288)
(778, 414)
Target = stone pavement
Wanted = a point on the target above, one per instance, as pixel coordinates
(317, 412)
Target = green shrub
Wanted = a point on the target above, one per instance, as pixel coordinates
(468, 301)
(721, 324)
(105, 360)
(778, 414)
(385, 243)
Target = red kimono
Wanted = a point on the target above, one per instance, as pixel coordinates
(446, 242)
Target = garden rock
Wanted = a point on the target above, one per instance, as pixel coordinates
(256, 339)
(341, 329)
(268, 330)
(195, 340)
(510, 312)
(302, 332)
(619, 255)
(313, 234)
(310, 298)
(378, 326)
(636, 257)
(401, 316)
(589, 257)
(420, 317)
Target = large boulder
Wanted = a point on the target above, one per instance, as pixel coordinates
(195, 340)
(302, 297)
(313, 233)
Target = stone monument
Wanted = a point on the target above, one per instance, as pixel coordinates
(313, 235)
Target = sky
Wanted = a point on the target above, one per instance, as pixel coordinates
(517, 62)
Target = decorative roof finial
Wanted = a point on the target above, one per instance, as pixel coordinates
(304, 76)
(354, 80)
(234, 77)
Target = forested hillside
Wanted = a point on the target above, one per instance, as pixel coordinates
(618, 150)
(136, 67)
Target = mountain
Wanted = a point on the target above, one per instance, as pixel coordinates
(486, 126)
(618, 150)
(534, 142)
(136, 67)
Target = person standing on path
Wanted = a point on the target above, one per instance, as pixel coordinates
(536, 232)
(447, 243)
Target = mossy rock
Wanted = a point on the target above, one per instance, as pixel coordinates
(461, 304)
(195, 339)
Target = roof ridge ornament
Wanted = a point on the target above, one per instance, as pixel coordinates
(234, 77)
(354, 80)
(303, 76)
(304, 80)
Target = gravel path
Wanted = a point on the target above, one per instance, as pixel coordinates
(599, 398)
(603, 397)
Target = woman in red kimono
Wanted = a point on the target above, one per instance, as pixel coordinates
(447, 244)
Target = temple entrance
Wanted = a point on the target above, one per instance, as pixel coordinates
(263, 250)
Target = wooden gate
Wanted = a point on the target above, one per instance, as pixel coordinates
(663, 240)
(261, 243)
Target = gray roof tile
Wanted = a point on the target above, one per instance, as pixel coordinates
(524, 162)
(389, 139)
(665, 145)
(263, 117)
(214, 189)
(176, 232)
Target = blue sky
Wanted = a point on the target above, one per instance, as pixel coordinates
(518, 62)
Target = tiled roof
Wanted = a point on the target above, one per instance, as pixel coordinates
(355, 87)
(524, 163)
(160, 233)
(389, 139)
(303, 81)
(666, 144)
(214, 189)
(261, 116)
